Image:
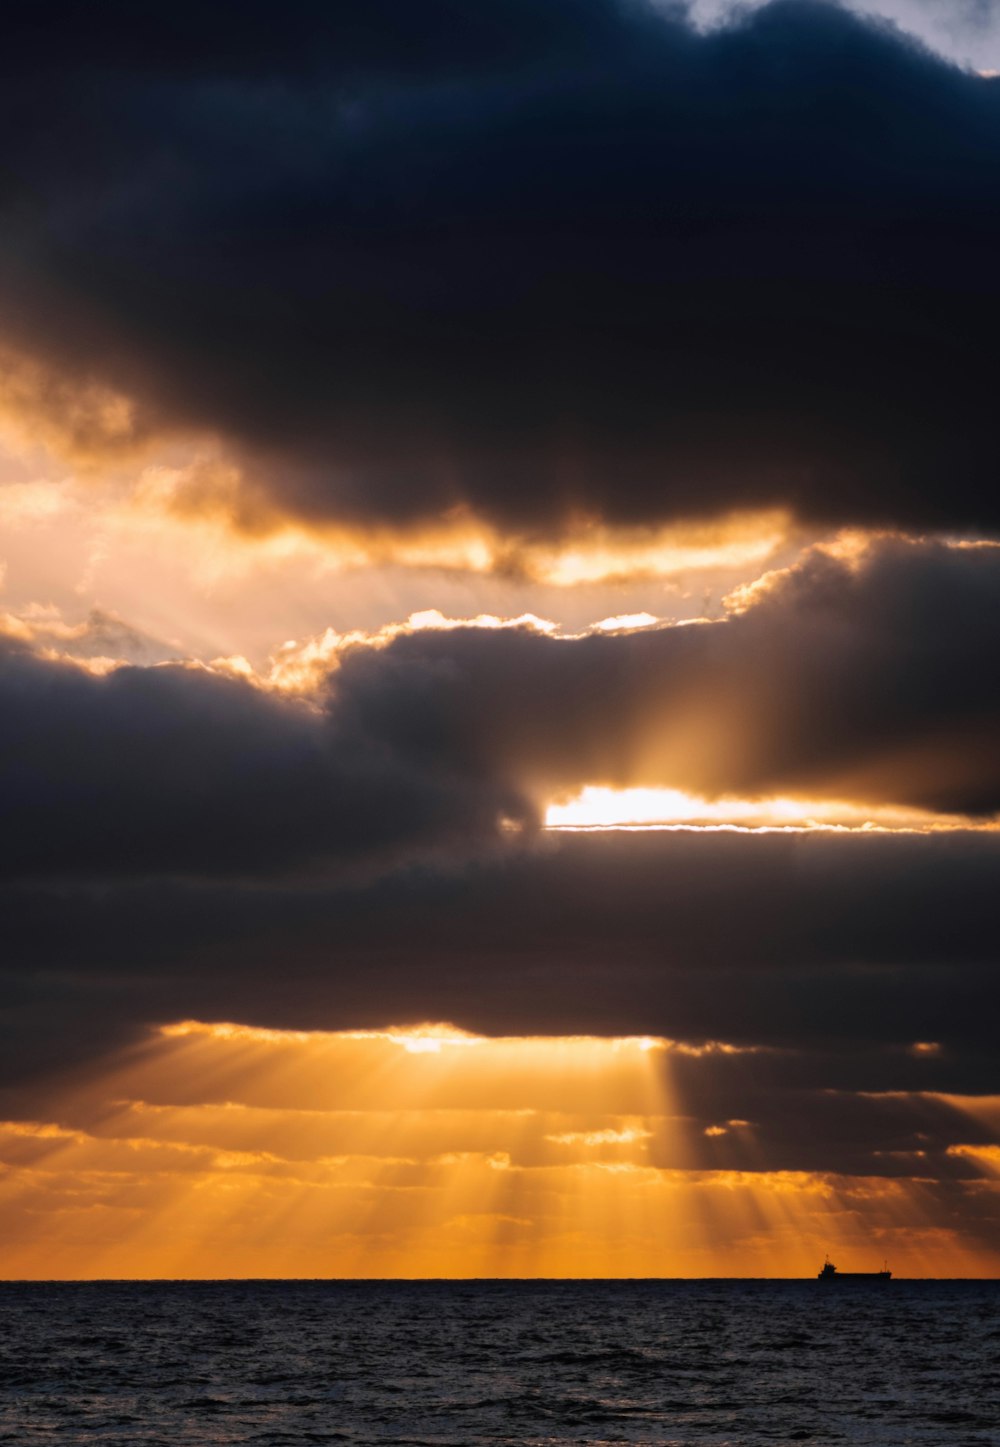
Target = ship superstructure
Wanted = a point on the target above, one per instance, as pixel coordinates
(830, 1273)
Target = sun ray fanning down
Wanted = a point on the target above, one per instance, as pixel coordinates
(227, 1149)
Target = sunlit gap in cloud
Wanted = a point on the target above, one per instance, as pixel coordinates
(225, 1149)
(180, 547)
(151, 509)
(982, 1112)
(92, 452)
(598, 807)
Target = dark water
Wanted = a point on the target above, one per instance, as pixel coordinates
(501, 1362)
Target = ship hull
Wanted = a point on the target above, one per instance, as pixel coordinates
(880, 1276)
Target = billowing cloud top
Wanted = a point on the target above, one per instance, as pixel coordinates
(527, 259)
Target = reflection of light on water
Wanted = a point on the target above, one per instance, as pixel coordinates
(223, 1149)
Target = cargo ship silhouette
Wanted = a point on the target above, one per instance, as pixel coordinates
(830, 1273)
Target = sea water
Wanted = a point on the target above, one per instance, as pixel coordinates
(714, 1362)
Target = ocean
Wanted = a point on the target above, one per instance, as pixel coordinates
(527, 1362)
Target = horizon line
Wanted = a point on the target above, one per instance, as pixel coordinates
(418, 1280)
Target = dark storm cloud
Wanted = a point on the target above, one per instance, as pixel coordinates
(528, 257)
(306, 37)
(767, 939)
(867, 680)
(871, 680)
(176, 769)
(831, 955)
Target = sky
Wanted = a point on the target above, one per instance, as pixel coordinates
(499, 607)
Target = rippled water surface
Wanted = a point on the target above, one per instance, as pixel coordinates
(502, 1362)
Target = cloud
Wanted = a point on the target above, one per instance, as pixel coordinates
(866, 677)
(180, 844)
(525, 262)
(559, 292)
(179, 769)
(821, 958)
(101, 642)
(966, 31)
(82, 420)
(651, 923)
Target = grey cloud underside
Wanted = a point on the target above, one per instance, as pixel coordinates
(872, 681)
(834, 953)
(525, 257)
(178, 771)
